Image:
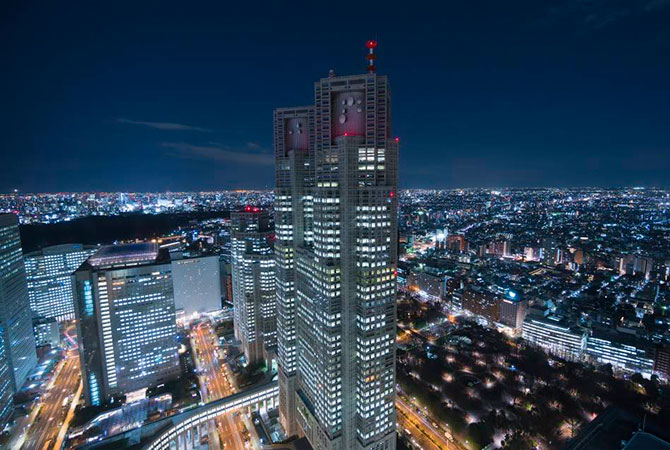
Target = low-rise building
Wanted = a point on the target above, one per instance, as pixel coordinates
(622, 352)
(555, 336)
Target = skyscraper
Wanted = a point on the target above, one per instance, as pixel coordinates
(336, 250)
(254, 300)
(6, 386)
(15, 316)
(549, 251)
(49, 274)
(126, 323)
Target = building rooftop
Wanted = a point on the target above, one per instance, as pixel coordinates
(125, 254)
(646, 441)
(8, 219)
(616, 428)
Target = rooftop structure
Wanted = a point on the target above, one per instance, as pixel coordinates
(124, 255)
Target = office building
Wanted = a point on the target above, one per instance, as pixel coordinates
(555, 336)
(624, 352)
(512, 310)
(197, 284)
(15, 316)
(46, 332)
(481, 303)
(457, 243)
(662, 361)
(124, 304)
(429, 284)
(6, 387)
(254, 302)
(636, 265)
(49, 274)
(336, 249)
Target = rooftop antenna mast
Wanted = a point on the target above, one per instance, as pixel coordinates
(371, 55)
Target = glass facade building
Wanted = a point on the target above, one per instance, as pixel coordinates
(6, 386)
(124, 304)
(15, 316)
(49, 274)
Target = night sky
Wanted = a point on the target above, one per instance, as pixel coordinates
(179, 95)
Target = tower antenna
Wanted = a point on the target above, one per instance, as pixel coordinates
(371, 55)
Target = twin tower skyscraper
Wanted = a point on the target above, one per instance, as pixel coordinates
(336, 258)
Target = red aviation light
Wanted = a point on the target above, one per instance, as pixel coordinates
(397, 139)
(247, 208)
(256, 209)
(371, 44)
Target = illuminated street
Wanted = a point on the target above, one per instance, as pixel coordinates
(422, 431)
(215, 384)
(54, 405)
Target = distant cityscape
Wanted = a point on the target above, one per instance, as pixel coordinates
(506, 298)
(64, 207)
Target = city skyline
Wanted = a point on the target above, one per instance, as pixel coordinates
(534, 95)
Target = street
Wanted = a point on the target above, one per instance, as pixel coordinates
(54, 405)
(427, 435)
(214, 384)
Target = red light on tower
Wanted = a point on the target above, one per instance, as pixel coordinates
(397, 139)
(247, 208)
(371, 55)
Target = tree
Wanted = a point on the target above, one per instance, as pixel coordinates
(517, 441)
(573, 424)
(637, 378)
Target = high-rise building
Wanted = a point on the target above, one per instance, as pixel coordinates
(254, 302)
(549, 252)
(457, 243)
(197, 284)
(512, 309)
(336, 250)
(6, 386)
(124, 304)
(662, 361)
(482, 303)
(46, 332)
(16, 320)
(636, 264)
(49, 274)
